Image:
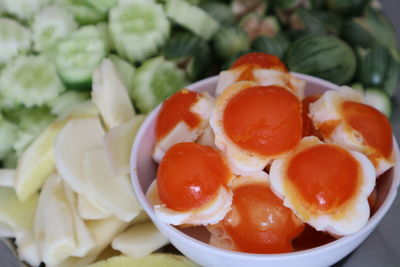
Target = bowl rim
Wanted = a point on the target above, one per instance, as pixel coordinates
(371, 224)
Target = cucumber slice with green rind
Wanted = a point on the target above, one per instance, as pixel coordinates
(193, 18)
(138, 29)
(62, 105)
(102, 5)
(50, 25)
(8, 132)
(79, 55)
(29, 81)
(379, 99)
(83, 13)
(14, 39)
(23, 9)
(155, 80)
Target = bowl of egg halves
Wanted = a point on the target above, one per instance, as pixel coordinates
(262, 167)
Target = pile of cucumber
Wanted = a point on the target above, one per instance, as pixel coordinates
(50, 48)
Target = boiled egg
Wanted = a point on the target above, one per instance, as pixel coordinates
(325, 185)
(254, 124)
(183, 118)
(262, 68)
(344, 119)
(258, 221)
(192, 185)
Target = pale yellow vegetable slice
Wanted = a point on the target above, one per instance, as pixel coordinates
(84, 109)
(54, 224)
(111, 96)
(19, 217)
(77, 136)
(37, 162)
(114, 193)
(90, 211)
(153, 260)
(103, 232)
(118, 143)
(7, 177)
(139, 240)
(83, 237)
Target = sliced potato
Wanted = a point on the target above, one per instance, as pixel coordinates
(111, 96)
(103, 232)
(89, 211)
(139, 240)
(7, 177)
(83, 237)
(77, 136)
(54, 223)
(118, 143)
(84, 109)
(120, 201)
(6, 231)
(19, 217)
(37, 162)
(153, 260)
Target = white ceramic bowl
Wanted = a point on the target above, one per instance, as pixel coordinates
(192, 242)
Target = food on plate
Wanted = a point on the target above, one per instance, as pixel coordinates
(183, 118)
(261, 68)
(296, 179)
(192, 185)
(343, 118)
(254, 124)
(327, 186)
(258, 222)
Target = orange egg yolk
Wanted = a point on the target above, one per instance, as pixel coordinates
(190, 175)
(264, 119)
(257, 60)
(176, 109)
(325, 176)
(308, 126)
(371, 124)
(258, 221)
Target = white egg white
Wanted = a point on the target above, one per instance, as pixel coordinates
(211, 213)
(354, 213)
(182, 132)
(327, 110)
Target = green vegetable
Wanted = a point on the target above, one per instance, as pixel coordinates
(193, 18)
(372, 27)
(277, 45)
(50, 25)
(23, 9)
(8, 132)
(14, 39)
(62, 105)
(29, 81)
(79, 55)
(230, 40)
(307, 20)
(138, 29)
(102, 6)
(379, 68)
(347, 7)
(323, 56)
(83, 12)
(155, 80)
(220, 12)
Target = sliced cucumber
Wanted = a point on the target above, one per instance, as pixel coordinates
(102, 5)
(183, 45)
(29, 81)
(126, 71)
(79, 55)
(8, 132)
(50, 25)
(220, 12)
(83, 13)
(14, 39)
(231, 40)
(138, 29)
(193, 18)
(104, 32)
(62, 105)
(23, 9)
(155, 80)
(379, 99)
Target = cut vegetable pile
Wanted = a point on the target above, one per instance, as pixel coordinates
(77, 78)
